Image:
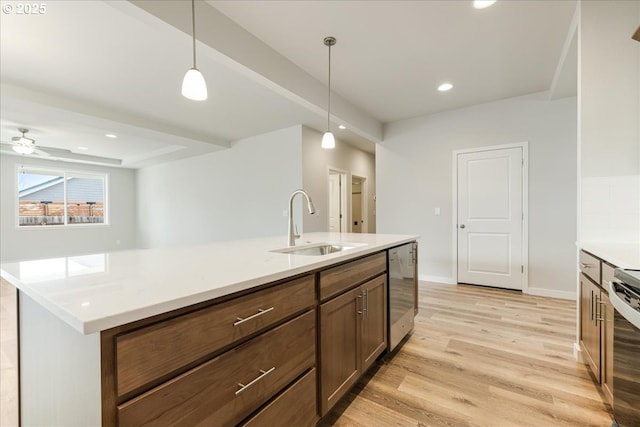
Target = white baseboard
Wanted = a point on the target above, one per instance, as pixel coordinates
(437, 279)
(542, 292)
(577, 352)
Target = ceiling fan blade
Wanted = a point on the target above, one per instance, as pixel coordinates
(41, 152)
(8, 146)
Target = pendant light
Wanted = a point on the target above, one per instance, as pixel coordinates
(328, 141)
(193, 85)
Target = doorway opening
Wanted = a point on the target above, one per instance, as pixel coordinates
(359, 220)
(337, 201)
(490, 216)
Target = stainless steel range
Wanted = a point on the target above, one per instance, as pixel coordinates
(625, 297)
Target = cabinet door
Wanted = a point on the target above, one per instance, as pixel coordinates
(339, 350)
(589, 326)
(606, 313)
(374, 320)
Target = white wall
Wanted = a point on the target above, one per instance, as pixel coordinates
(232, 194)
(31, 243)
(316, 164)
(609, 121)
(414, 166)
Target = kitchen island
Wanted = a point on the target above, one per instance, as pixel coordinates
(142, 337)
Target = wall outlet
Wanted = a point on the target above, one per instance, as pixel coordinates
(436, 211)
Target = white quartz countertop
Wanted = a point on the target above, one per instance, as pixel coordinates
(622, 255)
(96, 292)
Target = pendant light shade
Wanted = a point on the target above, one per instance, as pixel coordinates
(193, 85)
(328, 140)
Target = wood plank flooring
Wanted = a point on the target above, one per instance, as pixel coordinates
(480, 357)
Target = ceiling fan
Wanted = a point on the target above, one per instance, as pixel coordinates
(24, 145)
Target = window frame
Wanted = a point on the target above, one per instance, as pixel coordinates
(65, 174)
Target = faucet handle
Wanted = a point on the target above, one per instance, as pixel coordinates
(295, 234)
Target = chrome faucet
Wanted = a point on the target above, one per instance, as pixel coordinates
(312, 209)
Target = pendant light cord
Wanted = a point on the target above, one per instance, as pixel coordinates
(193, 24)
(329, 92)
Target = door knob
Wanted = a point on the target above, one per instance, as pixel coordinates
(462, 226)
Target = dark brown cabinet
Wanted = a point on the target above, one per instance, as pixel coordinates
(353, 333)
(216, 364)
(251, 358)
(596, 319)
(339, 350)
(374, 321)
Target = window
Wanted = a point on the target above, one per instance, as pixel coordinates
(48, 197)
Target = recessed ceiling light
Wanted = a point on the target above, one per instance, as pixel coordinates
(343, 127)
(110, 135)
(445, 87)
(83, 148)
(481, 4)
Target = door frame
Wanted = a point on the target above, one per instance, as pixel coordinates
(345, 225)
(364, 202)
(525, 207)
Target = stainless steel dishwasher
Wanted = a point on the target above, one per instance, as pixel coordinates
(403, 291)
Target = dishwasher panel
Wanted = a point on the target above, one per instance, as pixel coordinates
(403, 282)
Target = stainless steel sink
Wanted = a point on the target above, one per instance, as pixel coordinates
(318, 249)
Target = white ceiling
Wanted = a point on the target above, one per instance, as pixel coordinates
(86, 68)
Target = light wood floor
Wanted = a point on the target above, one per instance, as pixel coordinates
(480, 357)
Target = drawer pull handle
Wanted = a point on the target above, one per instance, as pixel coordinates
(586, 265)
(260, 312)
(597, 315)
(261, 376)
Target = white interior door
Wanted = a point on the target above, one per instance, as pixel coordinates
(490, 218)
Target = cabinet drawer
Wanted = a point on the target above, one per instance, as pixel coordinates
(212, 393)
(337, 279)
(150, 353)
(590, 266)
(607, 275)
(295, 407)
